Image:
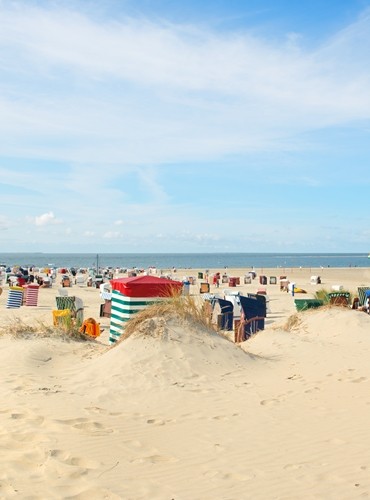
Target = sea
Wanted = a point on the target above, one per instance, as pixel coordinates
(167, 261)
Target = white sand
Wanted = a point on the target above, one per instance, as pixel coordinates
(186, 414)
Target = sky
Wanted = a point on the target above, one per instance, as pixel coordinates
(184, 126)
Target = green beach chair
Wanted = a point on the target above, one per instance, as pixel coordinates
(304, 304)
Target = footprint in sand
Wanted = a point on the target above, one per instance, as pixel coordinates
(26, 437)
(133, 444)
(266, 402)
(84, 424)
(228, 476)
(153, 421)
(293, 466)
(223, 417)
(103, 411)
(29, 417)
(154, 459)
(237, 477)
(17, 416)
(68, 459)
(295, 377)
(313, 389)
(359, 380)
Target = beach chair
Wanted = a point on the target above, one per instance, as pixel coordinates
(304, 304)
(79, 314)
(339, 298)
(367, 301)
(253, 313)
(284, 284)
(66, 281)
(74, 304)
(106, 291)
(62, 317)
(234, 299)
(362, 294)
(262, 299)
(98, 280)
(80, 280)
(106, 309)
(223, 314)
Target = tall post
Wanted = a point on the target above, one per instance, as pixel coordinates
(97, 263)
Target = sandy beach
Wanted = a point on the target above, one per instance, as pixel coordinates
(183, 413)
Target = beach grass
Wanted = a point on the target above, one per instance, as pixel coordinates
(292, 323)
(66, 330)
(186, 308)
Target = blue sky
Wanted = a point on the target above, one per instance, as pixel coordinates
(184, 126)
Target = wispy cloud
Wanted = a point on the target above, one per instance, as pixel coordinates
(110, 87)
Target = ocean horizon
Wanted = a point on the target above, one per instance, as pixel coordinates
(185, 260)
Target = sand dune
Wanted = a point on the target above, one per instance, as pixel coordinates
(179, 412)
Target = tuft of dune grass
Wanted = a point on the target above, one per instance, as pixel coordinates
(292, 323)
(184, 308)
(19, 329)
(295, 320)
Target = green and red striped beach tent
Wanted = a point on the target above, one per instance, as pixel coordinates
(130, 295)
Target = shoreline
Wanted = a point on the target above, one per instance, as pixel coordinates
(213, 260)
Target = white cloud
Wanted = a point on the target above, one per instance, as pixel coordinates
(44, 219)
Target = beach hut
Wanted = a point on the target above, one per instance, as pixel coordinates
(130, 295)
